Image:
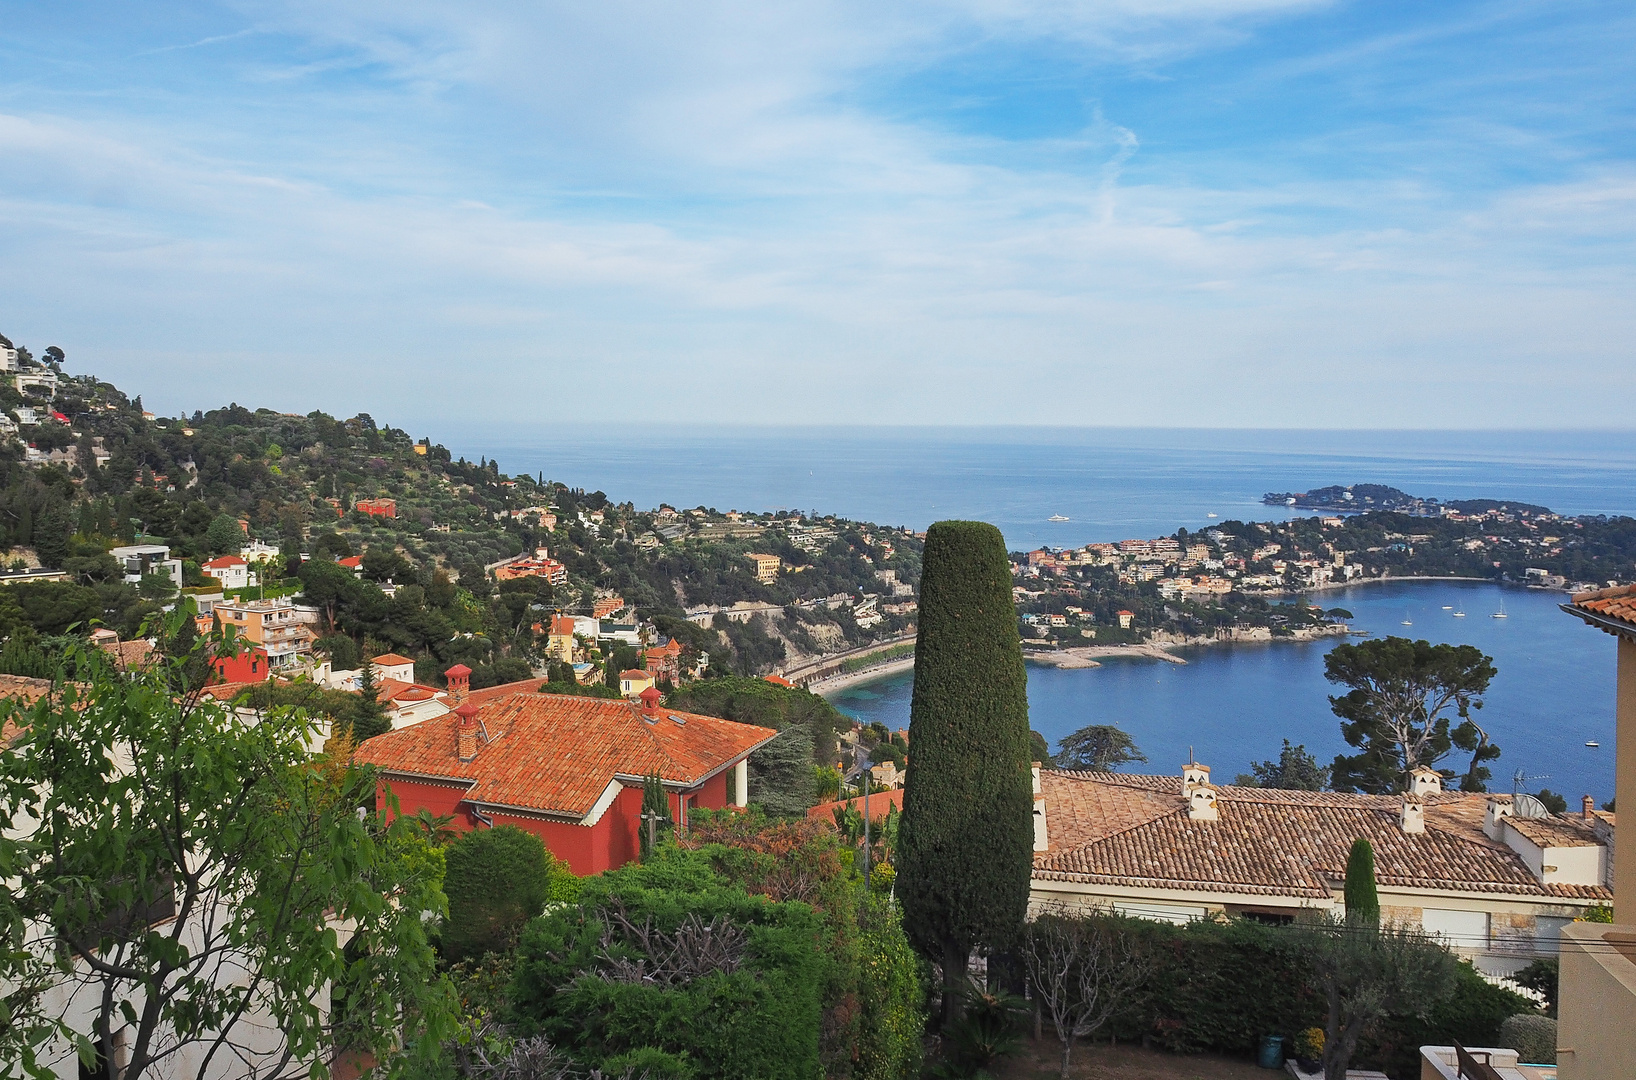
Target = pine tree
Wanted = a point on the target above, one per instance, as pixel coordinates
(369, 717)
(966, 845)
(1362, 902)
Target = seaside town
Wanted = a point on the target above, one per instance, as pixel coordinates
(575, 751)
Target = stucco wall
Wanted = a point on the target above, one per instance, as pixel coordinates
(1596, 1034)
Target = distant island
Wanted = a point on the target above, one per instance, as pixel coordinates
(1363, 498)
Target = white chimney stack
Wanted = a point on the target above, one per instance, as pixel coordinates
(1194, 775)
(1201, 804)
(1413, 816)
(1425, 781)
(1497, 811)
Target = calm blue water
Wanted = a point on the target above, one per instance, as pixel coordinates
(1555, 686)
(1234, 704)
(1110, 483)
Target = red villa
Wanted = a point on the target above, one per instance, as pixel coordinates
(567, 769)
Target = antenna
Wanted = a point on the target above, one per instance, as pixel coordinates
(1520, 778)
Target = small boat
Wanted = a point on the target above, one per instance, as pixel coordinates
(1057, 517)
(1459, 614)
(1209, 515)
(1448, 607)
(1593, 744)
(1500, 614)
(1406, 620)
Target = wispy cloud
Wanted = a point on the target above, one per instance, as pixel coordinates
(724, 203)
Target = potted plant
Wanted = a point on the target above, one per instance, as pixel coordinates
(1309, 1050)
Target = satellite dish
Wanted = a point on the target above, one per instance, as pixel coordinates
(1527, 806)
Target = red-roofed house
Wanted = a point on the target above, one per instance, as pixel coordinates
(355, 563)
(377, 507)
(664, 662)
(393, 666)
(567, 769)
(232, 571)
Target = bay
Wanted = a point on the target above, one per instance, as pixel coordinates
(1234, 704)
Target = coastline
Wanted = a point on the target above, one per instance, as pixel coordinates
(832, 683)
(1082, 657)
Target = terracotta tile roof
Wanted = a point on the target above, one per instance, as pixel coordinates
(495, 693)
(391, 659)
(129, 655)
(25, 692)
(879, 801)
(1113, 828)
(562, 625)
(633, 673)
(224, 561)
(557, 754)
(1612, 610)
(1555, 831)
(398, 690)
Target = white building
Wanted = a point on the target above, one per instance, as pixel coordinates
(232, 571)
(141, 559)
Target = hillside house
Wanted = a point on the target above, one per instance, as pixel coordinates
(387, 508)
(231, 570)
(559, 642)
(1498, 886)
(634, 682)
(568, 769)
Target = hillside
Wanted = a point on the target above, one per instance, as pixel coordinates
(86, 469)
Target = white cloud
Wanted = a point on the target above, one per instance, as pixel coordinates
(542, 210)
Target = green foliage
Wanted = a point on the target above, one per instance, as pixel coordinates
(1295, 770)
(966, 847)
(1362, 900)
(259, 847)
(1541, 976)
(765, 704)
(1396, 710)
(1532, 1036)
(1555, 803)
(369, 717)
(749, 1012)
(782, 781)
(497, 879)
(1040, 750)
(655, 824)
(1097, 748)
(224, 536)
(1598, 913)
(891, 997)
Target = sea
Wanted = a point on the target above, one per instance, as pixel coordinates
(1229, 705)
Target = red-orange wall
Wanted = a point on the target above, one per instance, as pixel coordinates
(587, 849)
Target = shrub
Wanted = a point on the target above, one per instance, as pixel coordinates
(497, 879)
(1532, 1036)
(608, 977)
(891, 997)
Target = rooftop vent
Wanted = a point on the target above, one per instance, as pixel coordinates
(682, 720)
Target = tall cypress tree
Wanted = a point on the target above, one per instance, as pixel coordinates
(966, 844)
(1362, 901)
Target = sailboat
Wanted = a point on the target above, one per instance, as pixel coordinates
(1500, 614)
(1406, 620)
(1058, 517)
(1459, 614)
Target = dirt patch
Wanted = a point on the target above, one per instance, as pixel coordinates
(1040, 1061)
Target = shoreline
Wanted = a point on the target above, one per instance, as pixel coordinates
(1084, 657)
(833, 683)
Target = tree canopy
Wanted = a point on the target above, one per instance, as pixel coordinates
(1097, 748)
(966, 845)
(192, 866)
(1398, 711)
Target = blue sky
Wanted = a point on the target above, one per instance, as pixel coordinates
(1240, 213)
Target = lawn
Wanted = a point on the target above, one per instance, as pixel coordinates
(1038, 1061)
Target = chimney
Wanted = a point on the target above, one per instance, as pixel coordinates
(1587, 808)
(650, 700)
(467, 731)
(459, 678)
(1042, 841)
(1413, 814)
(1498, 809)
(1201, 804)
(1424, 781)
(1194, 775)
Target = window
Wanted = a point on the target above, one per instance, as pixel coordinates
(1457, 929)
(1548, 933)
